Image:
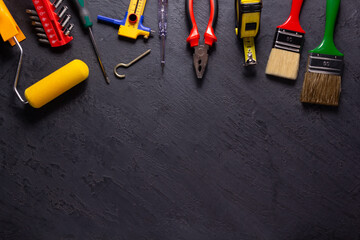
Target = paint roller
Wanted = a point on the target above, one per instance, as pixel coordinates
(52, 85)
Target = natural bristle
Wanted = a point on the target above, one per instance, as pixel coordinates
(319, 88)
(284, 64)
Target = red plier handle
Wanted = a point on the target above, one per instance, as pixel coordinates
(209, 35)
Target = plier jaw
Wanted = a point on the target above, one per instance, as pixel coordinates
(200, 55)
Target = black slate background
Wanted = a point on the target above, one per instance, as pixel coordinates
(163, 156)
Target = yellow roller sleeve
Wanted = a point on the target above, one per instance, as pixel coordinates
(56, 83)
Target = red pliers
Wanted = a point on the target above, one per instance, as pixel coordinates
(201, 51)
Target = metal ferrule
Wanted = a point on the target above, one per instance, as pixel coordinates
(325, 64)
(289, 40)
(250, 7)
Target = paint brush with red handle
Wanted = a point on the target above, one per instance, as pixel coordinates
(289, 39)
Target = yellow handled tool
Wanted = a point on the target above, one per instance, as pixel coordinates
(132, 24)
(248, 14)
(56, 83)
(11, 32)
(51, 86)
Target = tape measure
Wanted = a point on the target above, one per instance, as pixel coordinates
(132, 24)
(248, 13)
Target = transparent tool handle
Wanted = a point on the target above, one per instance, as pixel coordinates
(162, 17)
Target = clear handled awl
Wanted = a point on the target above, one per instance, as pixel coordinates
(162, 19)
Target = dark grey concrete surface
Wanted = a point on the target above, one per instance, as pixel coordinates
(163, 156)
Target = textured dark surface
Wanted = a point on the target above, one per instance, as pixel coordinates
(161, 156)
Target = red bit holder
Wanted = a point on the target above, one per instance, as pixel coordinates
(51, 28)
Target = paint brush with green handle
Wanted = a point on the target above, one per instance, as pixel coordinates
(322, 83)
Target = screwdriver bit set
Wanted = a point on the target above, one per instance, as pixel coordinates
(51, 22)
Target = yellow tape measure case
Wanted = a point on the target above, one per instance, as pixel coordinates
(248, 13)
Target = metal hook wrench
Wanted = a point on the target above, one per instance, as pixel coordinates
(126, 65)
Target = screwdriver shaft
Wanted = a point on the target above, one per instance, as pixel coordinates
(98, 56)
(85, 19)
(162, 50)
